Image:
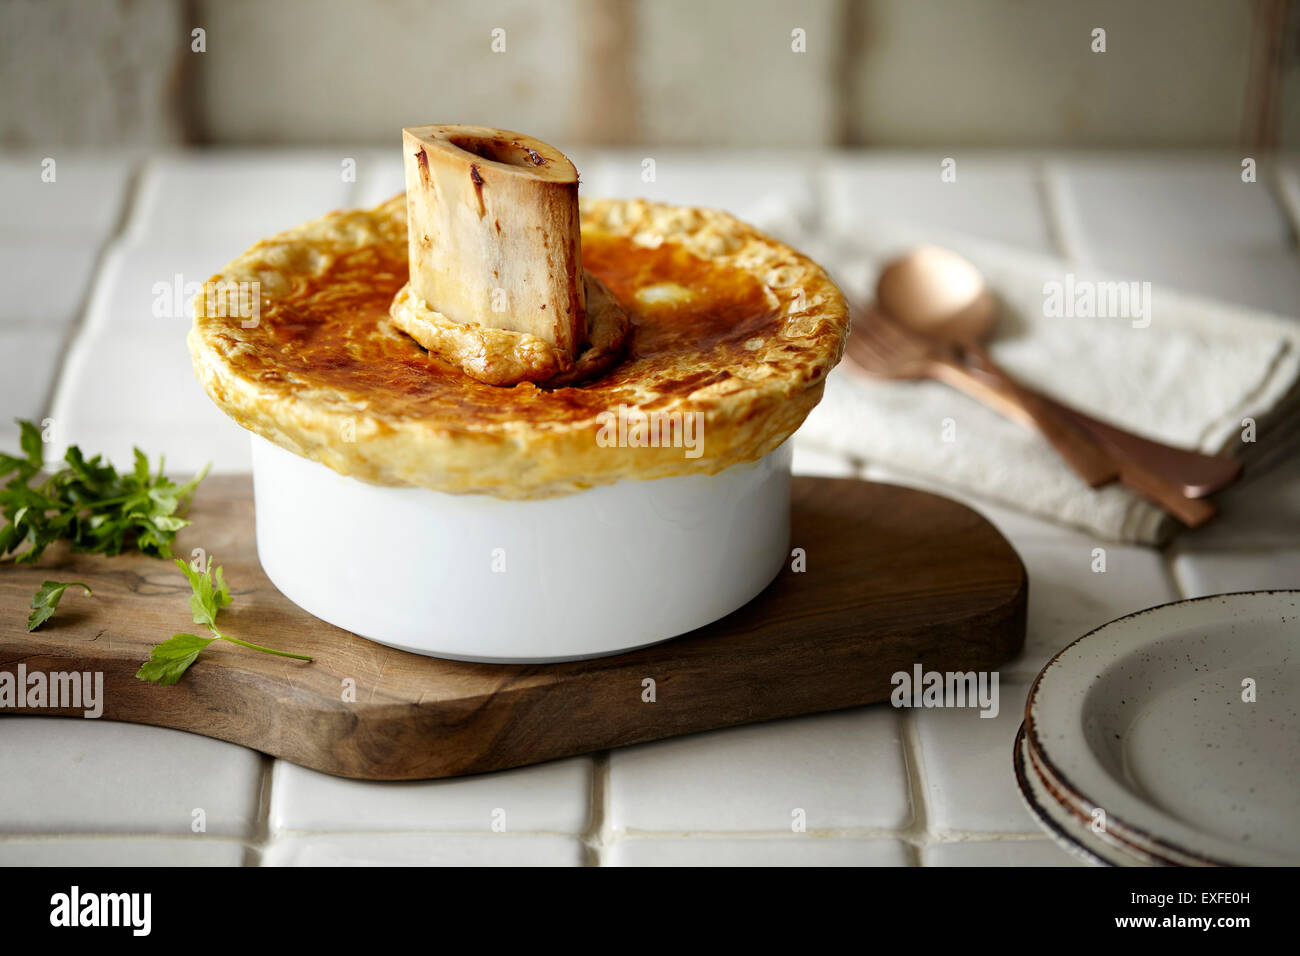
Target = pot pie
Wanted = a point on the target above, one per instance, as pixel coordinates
(686, 311)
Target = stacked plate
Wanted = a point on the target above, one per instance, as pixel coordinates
(1171, 737)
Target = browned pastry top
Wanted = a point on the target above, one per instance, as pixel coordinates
(726, 322)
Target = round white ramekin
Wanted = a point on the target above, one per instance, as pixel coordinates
(476, 578)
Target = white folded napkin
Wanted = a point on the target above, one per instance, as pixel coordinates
(1189, 378)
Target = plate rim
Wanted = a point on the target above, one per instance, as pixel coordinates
(1122, 852)
(1115, 839)
(1135, 833)
(1062, 837)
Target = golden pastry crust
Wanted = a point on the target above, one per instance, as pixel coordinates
(726, 322)
(506, 357)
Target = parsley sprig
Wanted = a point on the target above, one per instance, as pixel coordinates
(173, 657)
(96, 509)
(88, 503)
(46, 601)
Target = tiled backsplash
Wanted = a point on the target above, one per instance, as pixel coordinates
(751, 73)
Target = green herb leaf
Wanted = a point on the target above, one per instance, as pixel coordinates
(208, 596)
(30, 442)
(141, 466)
(172, 658)
(88, 503)
(46, 600)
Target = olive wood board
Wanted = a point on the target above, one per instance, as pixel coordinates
(892, 577)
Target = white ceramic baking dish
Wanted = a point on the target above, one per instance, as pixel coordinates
(476, 578)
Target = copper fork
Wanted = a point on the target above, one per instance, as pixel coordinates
(886, 349)
(883, 349)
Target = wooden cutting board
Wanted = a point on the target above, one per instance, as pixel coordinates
(893, 577)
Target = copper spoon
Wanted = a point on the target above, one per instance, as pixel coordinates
(939, 293)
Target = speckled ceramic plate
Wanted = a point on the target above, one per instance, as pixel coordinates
(1065, 829)
(1069, 825)
(1182, 724)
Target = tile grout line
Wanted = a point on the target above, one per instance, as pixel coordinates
(1167, 568)
(599, 838)
(262, 837)
(1168, 556)
(292, 833)
(1287, 195)
(81, 317)
(917, 834)
(1059, 212)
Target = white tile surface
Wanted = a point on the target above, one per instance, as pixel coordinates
(1187, 222)
(787, 851)
(44, 280)
(236, 197)
(1258, 276)
(380, 175)
(1219, 572)
(997, 853)
(759, 189)
(996, 197)
(223, 445)
(425, 850)
(83, 204)
(70, 775)
(33, 353)
(151, 284)
(552, 797)
(1266, 278)
(136, 851)
(8, 436)
(1067, 599)
(125, 385)
(967, 765)
(1134, 202)
(129, 380)
(843, 769)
